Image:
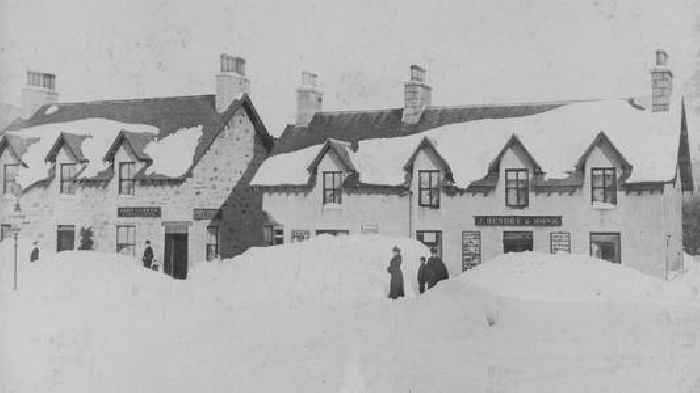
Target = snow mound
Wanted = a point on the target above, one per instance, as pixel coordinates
(571, 278)
(173, 155)
(324, 270)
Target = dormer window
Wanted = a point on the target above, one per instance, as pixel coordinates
(603, 186)
(332, 193)
(127, 183)
(517, 187)
(428, 189)
(9, 178)
(68, 175)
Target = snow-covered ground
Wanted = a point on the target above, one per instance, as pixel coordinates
(314, 317)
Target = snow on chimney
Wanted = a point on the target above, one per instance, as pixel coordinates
(661, 82)
(309, 98)
(40, 90)
(231, 81)
(417, 95)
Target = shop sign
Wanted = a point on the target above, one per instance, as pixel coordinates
(526, 221)
(139, 211)
(205, 214)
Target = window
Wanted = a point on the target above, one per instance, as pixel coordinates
(65, 238)
(273, 234)
(560, 242)
(299, 235)
(126, 240)
(127, 182)
(68, 172)
(212, 242)
(9, 177)
(332, 193)
(5, 231)
(603, 185)
(428, 190)
(431, 239)
(517, 187)
(517, 241)
(606, 246)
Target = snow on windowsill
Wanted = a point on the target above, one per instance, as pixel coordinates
(603, 206)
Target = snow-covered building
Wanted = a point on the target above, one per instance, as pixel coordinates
(598, 176)
(171, 170)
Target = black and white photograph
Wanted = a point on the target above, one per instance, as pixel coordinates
(350, 196)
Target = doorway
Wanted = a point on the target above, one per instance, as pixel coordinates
(65, 238)
(175, 263)
(517, 241)
(606, 246)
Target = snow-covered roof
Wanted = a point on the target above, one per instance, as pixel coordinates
(170, 134)
(555, 137)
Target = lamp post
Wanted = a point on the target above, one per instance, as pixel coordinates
(17, 219)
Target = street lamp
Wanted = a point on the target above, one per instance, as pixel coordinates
(16, 221)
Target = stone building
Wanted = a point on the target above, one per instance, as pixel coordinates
(172, 170)
(604, 177)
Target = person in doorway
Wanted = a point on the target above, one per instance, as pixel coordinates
(396, 284)
(147, 255)
(34, 256)
(423, 273)
(438, 270)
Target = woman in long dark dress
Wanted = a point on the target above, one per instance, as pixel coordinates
(396, 284)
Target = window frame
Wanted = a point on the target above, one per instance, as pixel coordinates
(71, 189)
(210, 257)
(610, 189)
(125, 244)
(523, 190)
(618, 235)
(335, 189)
(65, 228)
(5, 183)
(130, 180)
(433, 190)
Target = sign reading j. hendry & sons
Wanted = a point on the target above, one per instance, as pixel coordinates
(138, 211)
(204, 214)
(528, 221)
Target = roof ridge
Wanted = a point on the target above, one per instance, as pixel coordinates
(130, 100)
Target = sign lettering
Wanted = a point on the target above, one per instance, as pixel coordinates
(139, 211)
(560, 242)
(530, 221)
(205, 214)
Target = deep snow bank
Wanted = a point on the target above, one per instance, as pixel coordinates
(323, 270)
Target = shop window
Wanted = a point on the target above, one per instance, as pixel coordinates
(65, 238)
(68, 174)
(127, 183)
(606, 246)
(332, 191)
(126, 240)
(9, 178)
(212, 242)
(603, 186)
(517, 241)
(431, 239)
(299, 235)
(428, 189)
(517, 188)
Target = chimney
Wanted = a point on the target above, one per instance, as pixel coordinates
(309, 98)
(231, 81)
(40, 90)
(661, 83)
(417, 95)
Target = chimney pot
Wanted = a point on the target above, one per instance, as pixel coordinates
(40, 90)
(309, 98)
(231, 81)
(661, 58)
(661, 83)
(417, 95)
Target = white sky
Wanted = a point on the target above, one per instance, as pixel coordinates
(475, 51)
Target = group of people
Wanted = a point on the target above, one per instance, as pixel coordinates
(430, 272)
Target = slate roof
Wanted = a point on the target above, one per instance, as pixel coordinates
(72, 143)
(136, 141)
(17, 146)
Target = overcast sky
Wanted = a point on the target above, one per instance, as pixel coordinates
(474, 51)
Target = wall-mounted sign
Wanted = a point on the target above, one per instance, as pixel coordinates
(528, 221)
(205, 214)
(560, 242)
(471, 249)
(369, 228)
(139, 211)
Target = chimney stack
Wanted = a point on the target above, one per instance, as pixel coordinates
(417, 95)
(661, 83)
(309, 98)
(40, 90)
(231, 81)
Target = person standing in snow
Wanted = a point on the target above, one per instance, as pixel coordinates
(34, 256)
(396, 284)
(438, 270)
(423, 273)
(147, 255)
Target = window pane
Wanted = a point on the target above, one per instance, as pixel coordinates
(597, 178)
(212, 233)
(424, 179)
(511, 196)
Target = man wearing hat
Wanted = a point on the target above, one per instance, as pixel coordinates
(438, 270)
(147, 255)
(396, 284)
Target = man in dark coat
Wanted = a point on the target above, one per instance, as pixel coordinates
(438, 270)
(396, 284)
(147, 255)
(423, 275)
(35, 253)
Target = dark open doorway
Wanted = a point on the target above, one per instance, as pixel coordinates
(175, 263)
(517, 241)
